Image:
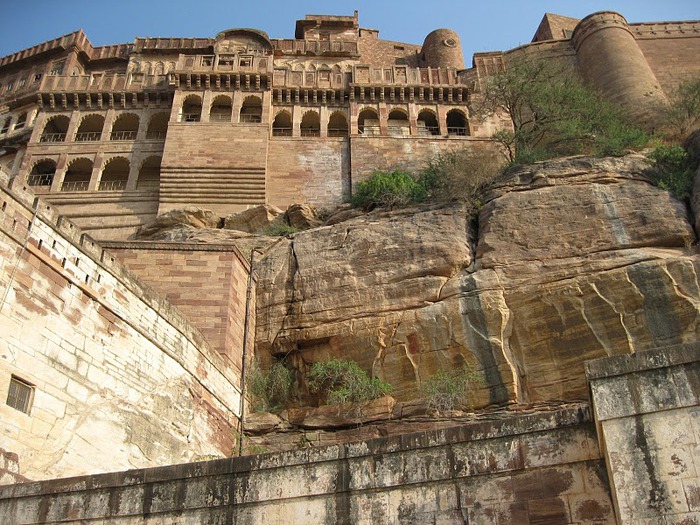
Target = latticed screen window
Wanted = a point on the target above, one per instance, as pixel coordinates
(20, 395)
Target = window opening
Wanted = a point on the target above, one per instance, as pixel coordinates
(20, 394)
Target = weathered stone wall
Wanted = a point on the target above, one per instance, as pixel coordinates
(120, 379)
(195, 279)
(314, 171)
(531, 469)
(647, 407)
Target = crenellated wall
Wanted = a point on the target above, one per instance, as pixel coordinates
(116, 376)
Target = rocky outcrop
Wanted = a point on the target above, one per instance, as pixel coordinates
(253, 220)
(571, 260)
(184, 218)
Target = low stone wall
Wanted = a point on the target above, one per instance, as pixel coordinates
(647, 406)
(539, 468)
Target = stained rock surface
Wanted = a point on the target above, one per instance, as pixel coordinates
(568, 260)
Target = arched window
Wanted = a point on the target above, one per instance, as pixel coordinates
(158, 126)
(6, 126)
(251, 110)
(78, 175)
(21, 121)
(457, 123)
(90, 128)
(221, 109)
(398, 124)
(282, 125)
(55, 129)
(368, 122)
(42, 173)
(149, 174)
(311, 124)
(337, 125)
(191, 109)
(115, 174)
(125, 127)
(428, 124)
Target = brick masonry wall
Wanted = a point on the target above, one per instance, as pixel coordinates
(647, 406)
(120, 378)
(314, 171)
(217, 166)
(195, 279)
(539, 468)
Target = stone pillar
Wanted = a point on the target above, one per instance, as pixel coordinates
(39, 124)
(324, 115)
(133, 173)
(107, 128)
(60, 173)
(176, 108)
(647, 410)
(96, 172)
(383, 119)
(206, 105)
(610, 60)
(296, 120)
(73, 125)
(237, 103)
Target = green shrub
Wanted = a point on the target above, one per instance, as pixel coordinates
(342, 381)
(397, 188)
(269, 388)
(459, 175)
(674, 170)
(280, 229)
(448, 390)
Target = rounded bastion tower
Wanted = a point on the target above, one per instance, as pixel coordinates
(611, 61)
(442, 48)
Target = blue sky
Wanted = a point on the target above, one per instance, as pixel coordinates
(482, 26)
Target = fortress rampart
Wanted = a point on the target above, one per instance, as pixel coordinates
(117, 134)
(112, 374)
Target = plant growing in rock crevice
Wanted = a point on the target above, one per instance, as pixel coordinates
(342, 381)
(451, 389)
(674, 170)
(269, 388)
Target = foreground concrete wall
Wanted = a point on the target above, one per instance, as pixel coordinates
(540, 468)
(647, 406)
(118, 377)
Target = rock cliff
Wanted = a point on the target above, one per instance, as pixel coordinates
(568, 260)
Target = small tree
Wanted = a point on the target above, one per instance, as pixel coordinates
(675, 171)
(683, 110)
(552, 113)
(342, 381)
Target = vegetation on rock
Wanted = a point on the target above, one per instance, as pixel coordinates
(280, 229)
(674, 171)
(269, 388)
(396, 188)
(451, 389)
(342, 381)
(553, 114)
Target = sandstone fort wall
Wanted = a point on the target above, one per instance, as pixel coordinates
(117, 377)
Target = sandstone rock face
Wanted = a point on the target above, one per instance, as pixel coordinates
(253, 220)
(571, 260)
(190, 216)
(302, 216)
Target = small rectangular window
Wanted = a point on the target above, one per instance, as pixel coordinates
(37, 77)
(246, 61)
(137, 77)
(20, 395)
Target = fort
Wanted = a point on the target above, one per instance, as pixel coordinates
(128, 355)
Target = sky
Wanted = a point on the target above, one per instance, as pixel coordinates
(485, 25)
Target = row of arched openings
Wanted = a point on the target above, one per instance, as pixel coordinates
(427, 123)
(114, 176)
(124, 127)
(221, 109)
(310, 125)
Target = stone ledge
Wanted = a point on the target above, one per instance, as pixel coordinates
(642, 361)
